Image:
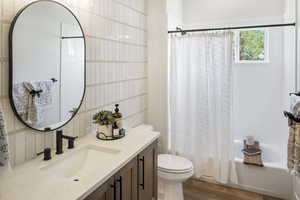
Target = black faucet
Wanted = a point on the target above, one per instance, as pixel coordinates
(47, 154)
(59, 141)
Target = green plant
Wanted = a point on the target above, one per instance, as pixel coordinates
(104, 118)
(73, 111)
(252, 45)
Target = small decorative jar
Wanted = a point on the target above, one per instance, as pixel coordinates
(105, 130)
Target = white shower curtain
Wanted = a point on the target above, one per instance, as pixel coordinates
(201, 102)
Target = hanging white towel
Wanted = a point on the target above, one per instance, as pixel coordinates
(39, 103)
(4, 152)
(20, 96)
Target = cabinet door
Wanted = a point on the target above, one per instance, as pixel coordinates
(126, 181)
(104, 192)
(148, 173)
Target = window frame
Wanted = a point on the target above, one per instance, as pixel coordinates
(266, 48)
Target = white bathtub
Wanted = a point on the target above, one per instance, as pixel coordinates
(272, 179)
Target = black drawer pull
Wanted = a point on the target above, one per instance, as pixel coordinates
(120, 181)
(115, 190)
(143, 181)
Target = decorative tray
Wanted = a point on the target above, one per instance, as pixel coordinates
(102, 136)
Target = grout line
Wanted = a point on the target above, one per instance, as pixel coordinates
(113, 20)
(118, 41)
(18, 131)
(4, 59)
(84, 111)
(139, 112)
(113, 82)
(111, 61)
(3, 21)
(132, 8)
(114, 102)
(98, 84)
(15, 132)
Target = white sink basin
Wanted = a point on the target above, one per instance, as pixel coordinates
(81, 162)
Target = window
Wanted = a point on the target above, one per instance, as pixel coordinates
(252, 46)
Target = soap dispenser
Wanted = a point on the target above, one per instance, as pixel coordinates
(118, 116)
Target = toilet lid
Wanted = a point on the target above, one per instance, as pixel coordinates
(172, 163)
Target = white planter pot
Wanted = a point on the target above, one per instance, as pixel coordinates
(106, 130)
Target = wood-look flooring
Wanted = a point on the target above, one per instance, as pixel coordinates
(199, 190)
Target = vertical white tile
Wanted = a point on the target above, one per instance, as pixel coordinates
(106, 72)
(101, 96)
(39, 142)
(93, 49)
(20, 148)
(12, 148)
(97, 73)
(88, 98)
(1, 79)
(4, 44)
(30, 145)
(8, 9)
(93, 97)
(93, 71)
(8, 115)
(88, 74)
(98, 53)
(18, 125)
(76, 126)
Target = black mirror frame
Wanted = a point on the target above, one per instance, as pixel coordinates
(11, 65)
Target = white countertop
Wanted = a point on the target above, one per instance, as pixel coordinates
(29, 182)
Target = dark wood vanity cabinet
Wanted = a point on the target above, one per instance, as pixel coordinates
(104, 192)
(148, 173)
(137, 180)
(127, 182)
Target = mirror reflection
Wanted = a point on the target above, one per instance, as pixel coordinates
(47, 65)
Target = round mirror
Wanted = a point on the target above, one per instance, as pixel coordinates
(47, 65)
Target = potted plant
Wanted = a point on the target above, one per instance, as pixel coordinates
(104, 120)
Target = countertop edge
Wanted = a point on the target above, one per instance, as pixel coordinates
(116, 169)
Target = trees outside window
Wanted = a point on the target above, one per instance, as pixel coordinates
(252, 46)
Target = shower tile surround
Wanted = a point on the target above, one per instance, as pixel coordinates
(116, 69)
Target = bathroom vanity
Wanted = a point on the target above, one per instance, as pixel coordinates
(124, 169)
(136, 180)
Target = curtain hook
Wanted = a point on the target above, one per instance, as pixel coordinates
(182, 31)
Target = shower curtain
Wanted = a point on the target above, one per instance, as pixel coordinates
(201, 102)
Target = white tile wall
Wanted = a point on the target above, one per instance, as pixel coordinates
(116, 68)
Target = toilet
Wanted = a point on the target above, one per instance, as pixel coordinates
(172, 172)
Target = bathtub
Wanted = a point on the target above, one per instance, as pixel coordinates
(272, 179)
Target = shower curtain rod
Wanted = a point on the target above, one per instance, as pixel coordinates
(179, 30)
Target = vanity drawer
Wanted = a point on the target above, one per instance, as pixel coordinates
(104, 192)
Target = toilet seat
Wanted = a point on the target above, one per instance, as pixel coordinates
(172, 172)
(174, 164)
(175, 172)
